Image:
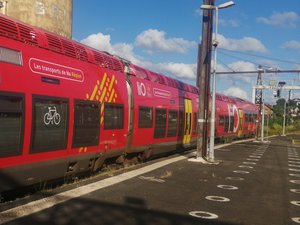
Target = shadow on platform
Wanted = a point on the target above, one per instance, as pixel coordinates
(134, 211)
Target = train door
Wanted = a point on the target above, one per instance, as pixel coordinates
(187, 121)
(241, 117)
(130, 115)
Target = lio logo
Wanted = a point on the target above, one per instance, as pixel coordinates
(141, 89)
(52, 116)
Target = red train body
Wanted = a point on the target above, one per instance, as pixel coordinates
(65, 108)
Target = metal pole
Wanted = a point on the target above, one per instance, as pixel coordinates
(268, 126)
(213, 102)
(284, 115)
(203, 79)
(253, 94)
(262, 121)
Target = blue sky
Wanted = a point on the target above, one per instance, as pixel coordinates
(163, 36)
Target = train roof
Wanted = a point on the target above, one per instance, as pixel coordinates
(161, 79)
(232, 99)
(40, 38)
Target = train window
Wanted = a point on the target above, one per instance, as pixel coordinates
(181, 123)
(250, 118)
(113, 116)
(11, 124)
(226, 127)
(195, 123)
(160, 123)
(231, 123)
(221, 120)
(10, 56)
(145, 117)
(172, 123)
(86, 123)
(49, 124)
(255, 118)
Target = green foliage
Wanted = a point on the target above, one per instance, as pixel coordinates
(276, 122)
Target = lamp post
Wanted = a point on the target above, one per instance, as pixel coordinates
(213, 103)
(284, 118)
(280, 85)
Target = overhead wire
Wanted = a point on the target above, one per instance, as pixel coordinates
(225, 65)
(256, 55)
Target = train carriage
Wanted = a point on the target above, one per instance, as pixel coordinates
(53, 95)
(65, 108)
(165, 116)
(235, 118)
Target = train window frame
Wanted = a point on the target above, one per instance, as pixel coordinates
(142, 122)
(20, 137)
(11, 56)
(180, 123)
(246, 118)
(160, 126)
(255, 118)
(226, 124)
(49, 144)
(221, 120)
(172, 130)
(231, 124)
(84, 126)
(108, 116)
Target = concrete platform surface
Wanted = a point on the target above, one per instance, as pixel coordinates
(254, 184)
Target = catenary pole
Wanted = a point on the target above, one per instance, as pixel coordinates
(203, 79)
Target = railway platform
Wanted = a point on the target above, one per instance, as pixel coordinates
(255, 184)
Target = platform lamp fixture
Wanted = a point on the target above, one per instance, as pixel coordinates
(213, 91)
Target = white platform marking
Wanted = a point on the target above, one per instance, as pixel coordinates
(227, 187)
(204, 215)
(217, 198)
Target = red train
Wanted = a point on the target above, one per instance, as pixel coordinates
(65, 108)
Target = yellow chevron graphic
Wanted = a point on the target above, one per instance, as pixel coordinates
(104, 91)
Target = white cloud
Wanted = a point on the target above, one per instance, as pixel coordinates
(102, 42)
(180, 70)
(268, 64)
(199, 12)
(155, 41)
(236, 92)
(245, 44)
(284, 19)
(292, 45)
(228, 23)
(240, 66)
(98, 41)
(297, 66)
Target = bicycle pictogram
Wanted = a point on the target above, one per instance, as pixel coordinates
(52, 116)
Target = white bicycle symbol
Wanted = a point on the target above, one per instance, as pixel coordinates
(52, 116)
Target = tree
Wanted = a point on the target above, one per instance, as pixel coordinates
(278, 111)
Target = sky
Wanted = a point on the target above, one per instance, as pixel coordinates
(163, 36)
